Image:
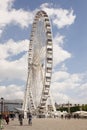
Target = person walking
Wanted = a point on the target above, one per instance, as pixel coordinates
(21, 119)
(7, 119)
(1, 122)
(30, 119)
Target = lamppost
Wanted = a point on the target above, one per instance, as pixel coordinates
(68, 107)
(2, 106)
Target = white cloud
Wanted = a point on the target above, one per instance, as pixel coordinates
(66, 18)
(63, 80)
(5, 4)
(10, 15)
(21, 17)
(16, 69)
(11, 48)
(0, 32)
(60, 75)
(11, 92)
(59, 54)
(83, 87)
(63, 67)
(69, 87)
(59, 97)
(60, 17)
(59, 39)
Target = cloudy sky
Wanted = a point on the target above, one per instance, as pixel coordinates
(68, 19)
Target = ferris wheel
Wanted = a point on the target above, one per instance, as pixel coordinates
(40, 61)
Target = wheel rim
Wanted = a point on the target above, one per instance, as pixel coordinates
(39, 63)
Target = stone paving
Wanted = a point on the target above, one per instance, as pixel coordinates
(48, 124)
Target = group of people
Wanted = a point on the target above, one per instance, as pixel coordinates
(2, 118)
(29, 119)
(20, 117)
(5, 117)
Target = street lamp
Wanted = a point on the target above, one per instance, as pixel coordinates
(68, 107)
(2, 106)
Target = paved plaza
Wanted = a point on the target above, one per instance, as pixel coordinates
(48, 124)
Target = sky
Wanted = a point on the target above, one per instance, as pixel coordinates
(68, 21)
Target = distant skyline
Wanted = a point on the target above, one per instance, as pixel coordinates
(68, 20)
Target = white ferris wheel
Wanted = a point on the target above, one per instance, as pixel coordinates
(40, 62)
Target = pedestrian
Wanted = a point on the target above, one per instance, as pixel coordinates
(1, 122)
(21, 119)
(30, 119)
(7, 119)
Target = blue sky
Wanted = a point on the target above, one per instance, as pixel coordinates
(68, 19)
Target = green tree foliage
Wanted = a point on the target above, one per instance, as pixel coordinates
(73, 108)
